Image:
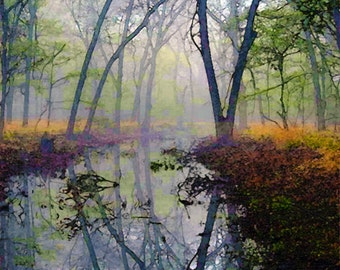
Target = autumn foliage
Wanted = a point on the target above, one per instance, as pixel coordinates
(289, 193)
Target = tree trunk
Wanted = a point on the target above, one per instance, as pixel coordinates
(116, 147)
(319, 102)
(243, 110)
(108, 66)
(209, 69)
(248, 40)
(336, 16)
(224, 126)
(283, 114)
(28, 222)
(143, 66)
(83, 73)
(208, 228)
(28, 60)
(234, 36)
(9, 105)
(4, 64)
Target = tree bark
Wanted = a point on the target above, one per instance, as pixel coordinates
(209, 67)
(248, 40)
(284, 113)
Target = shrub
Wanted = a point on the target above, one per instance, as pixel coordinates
(290, 195)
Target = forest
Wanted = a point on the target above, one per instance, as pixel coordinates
(170, 134)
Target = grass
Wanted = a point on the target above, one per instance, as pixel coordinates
(295, 136)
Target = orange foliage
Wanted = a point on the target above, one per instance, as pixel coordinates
(288, 182)
(40, 127)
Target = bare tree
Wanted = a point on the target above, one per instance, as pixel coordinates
(224, 125)
(86, 63)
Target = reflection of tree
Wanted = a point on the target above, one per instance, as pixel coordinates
(18, 244)
(138, 232)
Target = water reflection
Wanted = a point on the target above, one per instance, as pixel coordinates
(133, 221)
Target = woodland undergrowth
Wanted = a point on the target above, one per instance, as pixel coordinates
(286, 184)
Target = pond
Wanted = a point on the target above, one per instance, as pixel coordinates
(109, 211)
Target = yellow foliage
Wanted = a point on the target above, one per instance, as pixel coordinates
(15, 127)
(327, 143)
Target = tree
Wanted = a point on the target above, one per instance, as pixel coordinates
(16, 49)
(279, 39)
(223, 125)
(108, 66)
(32, 9)
(4, 62)
(323, 15)
(319, 17)
(86, 63)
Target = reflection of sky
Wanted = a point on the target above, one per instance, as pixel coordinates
(179, 226)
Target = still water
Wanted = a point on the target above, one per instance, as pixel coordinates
(132, 221)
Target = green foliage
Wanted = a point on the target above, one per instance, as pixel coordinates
(317, 13)
(170, 161)
(48, 254)
(278, 33)
(27, 245)
(26, 261)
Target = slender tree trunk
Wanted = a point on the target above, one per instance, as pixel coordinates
(336, 16)
(86, 63)
(209, 68)
(28, 222)
(28, 60)
(157, 255)
(234, 36)
(49, 104)
(224, 126)
(148, 98)
(243, 110)
(9, 105)
(319, 102)
(283, 114)
(113, 58)
(248, 40)
(4, 64)
(56, 52)
(143, 66)
(116, 147)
